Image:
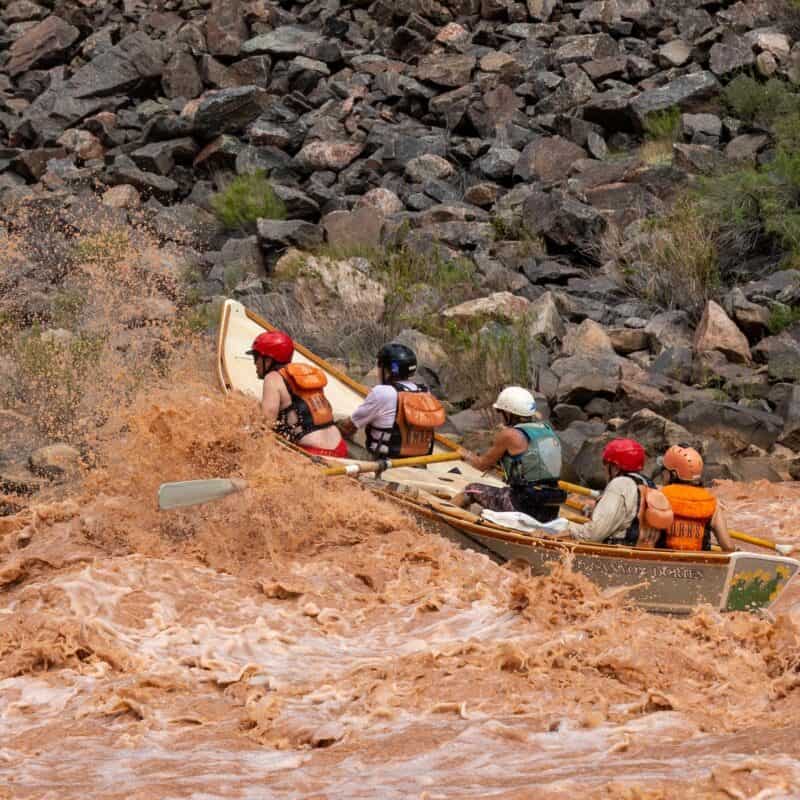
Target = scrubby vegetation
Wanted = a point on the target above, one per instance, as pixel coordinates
(661, 131)
(246, 199)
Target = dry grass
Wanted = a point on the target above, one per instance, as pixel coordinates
(674, 260)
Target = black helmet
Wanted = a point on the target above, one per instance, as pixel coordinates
(398, 359)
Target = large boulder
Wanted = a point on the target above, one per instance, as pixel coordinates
(734, 426)
(582, 378)
(562, 219)
(226, 29)
(446, 70)
(683, 92)
(286, 40)
(40, 45)
(360, 228)
(589, 339)
(751, 318)
(227, 110)
(717, 331)
(731, 55)
(328, 155)
(781, 354)
(545, 321)
(501, 306)
(326, 289)
(547, 158)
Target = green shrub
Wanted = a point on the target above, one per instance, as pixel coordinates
(663, 125)
(762, 103)
(782, 317)
(246, 199)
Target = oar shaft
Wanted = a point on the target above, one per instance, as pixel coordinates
(573, 488)
(745, 537)
(383, 464)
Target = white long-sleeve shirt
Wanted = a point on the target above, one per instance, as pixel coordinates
(612, 515)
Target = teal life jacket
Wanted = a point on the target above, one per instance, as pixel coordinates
(540, 462)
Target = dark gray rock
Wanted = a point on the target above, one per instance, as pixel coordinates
(228, 110)
(562, 219)
(41, 45)
(732, 54)
(675, 363)
(734, 426)
(280, 234)
(124, 170)
(547, 159)
(226, 29)
(181, 77)
(161, 156)
(683, 93)
(286, 40)
(580, 379)
(781, 353)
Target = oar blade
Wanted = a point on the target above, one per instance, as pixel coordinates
(191, 493)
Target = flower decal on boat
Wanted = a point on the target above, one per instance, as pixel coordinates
(756, 589)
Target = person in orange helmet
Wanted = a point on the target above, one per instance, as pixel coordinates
(696, 512)
(293, 399)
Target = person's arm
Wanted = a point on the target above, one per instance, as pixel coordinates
(346, 427)
(719, 526)
(607, 518)
(271, 397)
(500, 445)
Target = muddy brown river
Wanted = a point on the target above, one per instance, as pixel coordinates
(305, 639)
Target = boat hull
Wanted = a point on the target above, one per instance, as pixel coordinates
(665, 581)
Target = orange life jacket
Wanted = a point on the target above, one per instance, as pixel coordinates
(305, 383)
(693, 507)
(418, 415)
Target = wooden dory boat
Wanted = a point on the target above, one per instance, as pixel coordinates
(662, 580)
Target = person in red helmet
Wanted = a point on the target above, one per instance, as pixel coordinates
(618, 517)
(293, 397)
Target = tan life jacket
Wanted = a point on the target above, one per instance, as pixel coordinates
(417, 417)
(694, 508)
(655, 516)
(305, 384)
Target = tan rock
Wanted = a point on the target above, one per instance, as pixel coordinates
(718, 332)
(546, 322)
(319, 155)
(84, 144)
(325, 286)
(502, 306)
(360, 228)
(122, 196)
(587, 339)
(452, 32)
(384, 200)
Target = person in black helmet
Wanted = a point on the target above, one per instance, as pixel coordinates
(399, 416)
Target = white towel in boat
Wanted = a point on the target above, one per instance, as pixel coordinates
(523, 522)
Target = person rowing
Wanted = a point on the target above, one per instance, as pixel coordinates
(529, 452)
(293, 397)
(400, 417)
(697, 513)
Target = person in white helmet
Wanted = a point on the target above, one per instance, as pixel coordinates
(529, 452)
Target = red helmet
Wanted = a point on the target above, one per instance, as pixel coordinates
(275, 345)
(627, 454)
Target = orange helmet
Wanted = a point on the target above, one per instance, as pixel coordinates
(685, 462)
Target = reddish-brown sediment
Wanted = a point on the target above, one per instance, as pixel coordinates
(307, 639)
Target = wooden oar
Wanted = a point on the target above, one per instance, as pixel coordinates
(191, 493)
(386, 463)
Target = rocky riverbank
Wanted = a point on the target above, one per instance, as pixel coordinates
(502, 185)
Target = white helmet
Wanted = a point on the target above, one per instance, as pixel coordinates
(516, 400)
